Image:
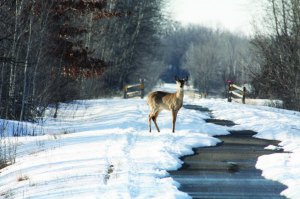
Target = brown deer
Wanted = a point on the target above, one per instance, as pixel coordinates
(160, 100)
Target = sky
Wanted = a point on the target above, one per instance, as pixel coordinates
(233, 15)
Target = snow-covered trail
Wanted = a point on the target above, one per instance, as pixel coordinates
(105, 151)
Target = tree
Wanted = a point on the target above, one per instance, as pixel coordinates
(279, 52)
(55, 51)
(215, 57)
(177, 40)
(134, 45)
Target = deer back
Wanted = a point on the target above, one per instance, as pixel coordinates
(162, 100)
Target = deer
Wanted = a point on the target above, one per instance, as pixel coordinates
(160, 100)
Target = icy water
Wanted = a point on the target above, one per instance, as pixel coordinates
(228, 170)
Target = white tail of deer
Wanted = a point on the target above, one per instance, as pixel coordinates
(160, 100)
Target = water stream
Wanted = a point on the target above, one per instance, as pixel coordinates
(228, 170)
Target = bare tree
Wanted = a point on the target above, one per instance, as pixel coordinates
(215, 58)
(53, 51)
(279, 75)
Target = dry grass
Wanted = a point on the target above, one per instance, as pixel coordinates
(7, 194)
(22, 178)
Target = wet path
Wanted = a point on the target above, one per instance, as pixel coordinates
(228, 170)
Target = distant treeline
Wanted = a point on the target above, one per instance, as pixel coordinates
(269, 61)
(209, 56)
(54, 51)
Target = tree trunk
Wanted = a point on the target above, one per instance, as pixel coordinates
(12, 75)
(24, 93)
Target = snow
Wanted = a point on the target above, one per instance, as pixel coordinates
(104, 150)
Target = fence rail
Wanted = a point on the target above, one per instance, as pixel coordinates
(134, 90)
(236, 91)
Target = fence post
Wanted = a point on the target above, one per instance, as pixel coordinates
(244, 95)
(142, 86)
(125, 91)
(229, 94)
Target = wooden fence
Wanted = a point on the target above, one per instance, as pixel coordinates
(235, 91)
(134, 90)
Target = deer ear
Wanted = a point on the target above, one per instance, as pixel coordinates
(176, 78)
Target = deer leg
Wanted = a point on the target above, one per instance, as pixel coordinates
(154, 120)
(174, 115)
(149, 122)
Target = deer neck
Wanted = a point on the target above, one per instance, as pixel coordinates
(179, 93)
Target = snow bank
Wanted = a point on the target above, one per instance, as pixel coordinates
(104, 150)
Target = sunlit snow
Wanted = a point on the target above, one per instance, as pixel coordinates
(104, 150)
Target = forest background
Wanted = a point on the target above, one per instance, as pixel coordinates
(54, 51)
